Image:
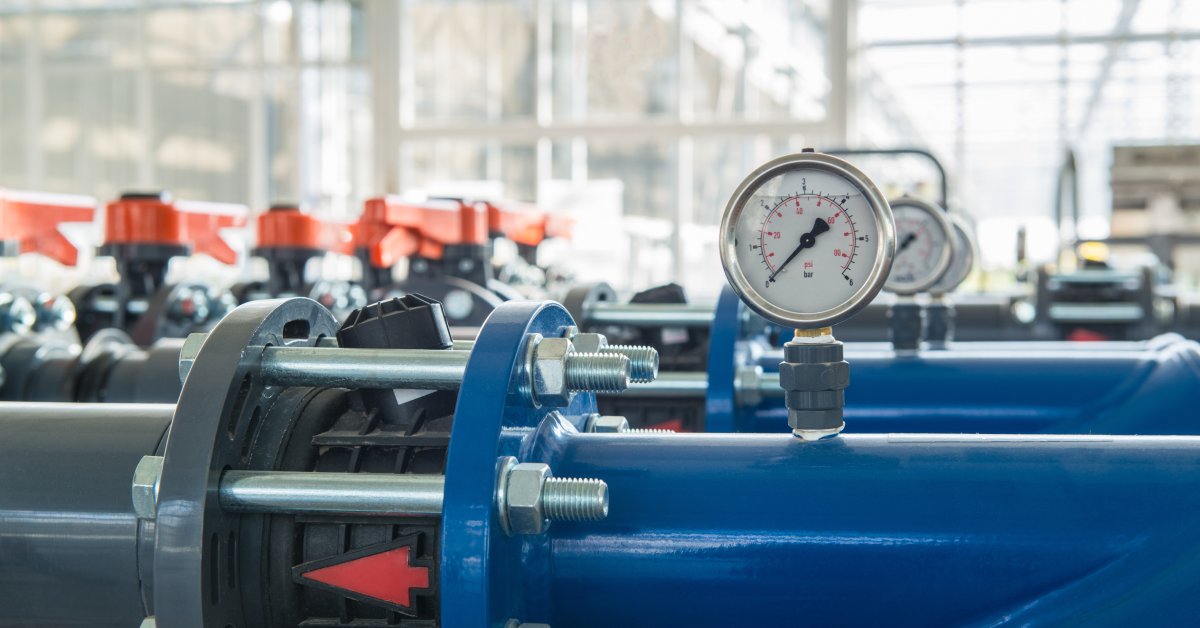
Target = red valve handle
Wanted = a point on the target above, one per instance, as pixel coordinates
(519, 222)
(391, 228)
(157, 220)
(33, 218)
(289, 227)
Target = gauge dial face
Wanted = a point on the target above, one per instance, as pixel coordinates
(807, 240)
(923, 245)
(962, 257)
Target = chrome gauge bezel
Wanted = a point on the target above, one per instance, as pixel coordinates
(885, 243)
(924, 284)
(951, 281)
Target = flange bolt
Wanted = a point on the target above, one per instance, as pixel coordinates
(643, 361)
(529, 497)
(575, 499)
(597, 372)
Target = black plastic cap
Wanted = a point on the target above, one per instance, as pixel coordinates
(666, 293)
(285, 206)
(409, 322)
(162, 196)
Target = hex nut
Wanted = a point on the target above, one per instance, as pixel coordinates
(814, 377)
(188, 352)
(746, 382)
(549, 371)
(605, 424)
(589, 343)
(524, 498)
(145, 486)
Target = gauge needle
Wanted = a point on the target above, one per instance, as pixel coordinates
(908, 239)
(806, 241)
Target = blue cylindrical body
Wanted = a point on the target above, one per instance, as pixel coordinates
(873, 530)
(1021, 387)
(1148, 391)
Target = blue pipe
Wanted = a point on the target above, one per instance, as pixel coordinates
(765, 530)
(1002, 392)
(1122, 388)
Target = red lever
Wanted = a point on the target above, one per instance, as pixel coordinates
(525, 224)
(518, 222)
(289, 227)
(156, 220)
(32, 219)
(391, 228)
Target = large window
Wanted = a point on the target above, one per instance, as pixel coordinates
(1002, 89)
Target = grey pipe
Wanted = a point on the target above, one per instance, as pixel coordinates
(67, 527)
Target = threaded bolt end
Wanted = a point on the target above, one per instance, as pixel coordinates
(646, 430)
(643, 361)
(597, 372)
(575, 499)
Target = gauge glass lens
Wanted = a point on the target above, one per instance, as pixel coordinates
(922, 247)
(806, 240)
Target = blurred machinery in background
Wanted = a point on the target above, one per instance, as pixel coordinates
(447, 246)
(1156, 203)
(289, 241)
(143, 232)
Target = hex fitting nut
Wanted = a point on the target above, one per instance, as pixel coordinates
(548, 371)
(814, 377)
(606, 424)
(524, 498)
(146, 477)
(188, 352)
(746, 386)
(589, 342)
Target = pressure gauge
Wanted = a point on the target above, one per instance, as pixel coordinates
(807, 240)
(923, 246)
(962, 257)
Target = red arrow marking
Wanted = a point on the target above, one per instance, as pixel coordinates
(384, 576)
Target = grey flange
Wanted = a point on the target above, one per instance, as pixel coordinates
(218, 419)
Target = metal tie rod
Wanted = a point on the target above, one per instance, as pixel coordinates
(670, 385)
(531, 496)
(298, 492)
(430, 369)
(651, 314)
(695, 384)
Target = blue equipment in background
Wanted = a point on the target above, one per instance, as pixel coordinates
(1149, 387)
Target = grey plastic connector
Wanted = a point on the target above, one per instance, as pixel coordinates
(814, 378)
(906, 321)
(939, 322)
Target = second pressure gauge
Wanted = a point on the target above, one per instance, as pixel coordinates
(923, 246)
(807, 240)
(962, 259)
